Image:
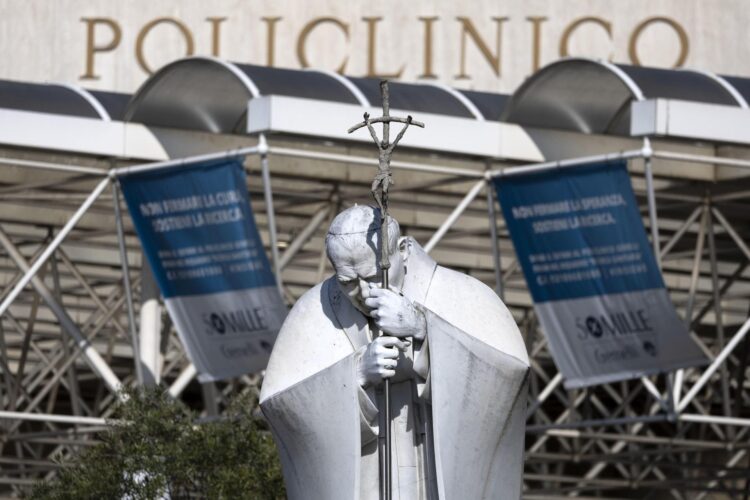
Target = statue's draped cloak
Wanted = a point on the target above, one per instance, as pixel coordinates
(472, 382)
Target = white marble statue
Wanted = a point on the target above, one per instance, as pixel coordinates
(457, 364)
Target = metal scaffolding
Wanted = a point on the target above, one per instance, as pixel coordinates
(71, 288)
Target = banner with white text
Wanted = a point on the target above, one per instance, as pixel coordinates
(596, 286)
(198, 233)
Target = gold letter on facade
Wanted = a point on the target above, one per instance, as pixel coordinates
(147, 29)
(309, 27)
(92, 47)
(536, 37)
(572, 27)
(372, 53)
(681, 36)
(468, 30)
(427, 72)
(270, 39)
(216, 34)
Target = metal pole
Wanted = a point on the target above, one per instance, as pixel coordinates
(182, 380)
(388, 487)
(270, 214)
(582, 424)
(34, 379)
(604, 436)
(572, 162)
(147, 167)
(78, 276)
(651, 389)
(208, 390)
(560, 418)
(473, 192)
(304, 235)
(46, 417)
(723, 355)
(718, 313)
(729, 229)
(715, 419)
(10, 385)
(150, 327)
(95, 360)
(492, 216)
(685, 157)
(548, 389)
(356, 160)
(382, 198)
(26, 344)
(681, 231)
(38, 263)
(651, 197)
(126, 282)
(71, 169)
(73, 387)
(695, 274)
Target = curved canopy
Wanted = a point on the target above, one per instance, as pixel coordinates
(594, 97)
(208, 94)
(51, 98)
(414, 97)
(202, 93)
(195, 93)
(115, 103)
(741, 85)
(490, 105)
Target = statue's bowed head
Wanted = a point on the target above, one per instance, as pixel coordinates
(353, 246)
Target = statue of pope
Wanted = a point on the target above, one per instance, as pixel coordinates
(455, 357)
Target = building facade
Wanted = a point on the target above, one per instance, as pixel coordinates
(480, 45)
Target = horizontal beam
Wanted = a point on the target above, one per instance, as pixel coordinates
(48, 417)
(708, 160)
(690, 120)
(714, 419)
(149, 167)
(57, 167)
(75, 134)
(482, 138)
(358, 160)
(570, 162)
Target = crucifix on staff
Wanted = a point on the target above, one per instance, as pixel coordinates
(380, 187)
(384, 178)
(390, 381)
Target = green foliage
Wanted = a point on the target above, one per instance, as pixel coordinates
(157, 451)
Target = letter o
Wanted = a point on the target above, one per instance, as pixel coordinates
(572, 27)
(147, 29)
(308, 28)
(638, 31)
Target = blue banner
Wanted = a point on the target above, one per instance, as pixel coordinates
(597, 289)
(198, 233)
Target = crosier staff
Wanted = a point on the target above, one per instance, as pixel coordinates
(380, 186)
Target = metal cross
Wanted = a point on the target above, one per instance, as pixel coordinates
(380, 186)
(383, 179)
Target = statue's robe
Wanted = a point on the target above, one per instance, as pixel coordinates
(458, 398)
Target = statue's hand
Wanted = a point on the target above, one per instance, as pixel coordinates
(395, 314)
(379, 360)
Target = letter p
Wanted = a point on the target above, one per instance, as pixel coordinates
(91, 45)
